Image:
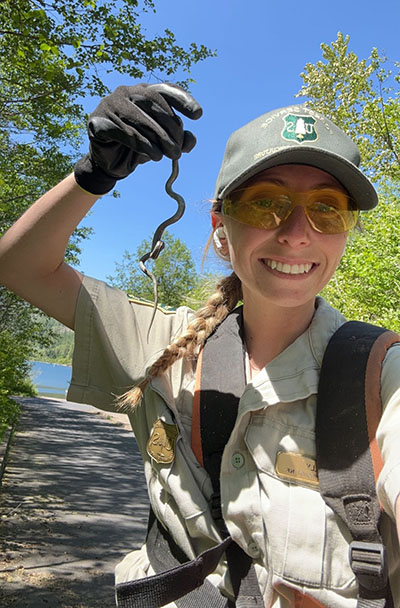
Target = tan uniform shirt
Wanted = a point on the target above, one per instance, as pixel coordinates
(292, 535)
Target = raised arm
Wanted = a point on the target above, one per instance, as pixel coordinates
(129, 127)
(32, 251)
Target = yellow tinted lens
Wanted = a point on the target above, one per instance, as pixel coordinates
(330, 211)
(258, 206)
(266, 206)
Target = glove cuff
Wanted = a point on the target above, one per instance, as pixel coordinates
(91, 178)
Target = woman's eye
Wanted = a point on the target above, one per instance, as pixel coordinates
(324, 208)
(276, 204)
(264, 203)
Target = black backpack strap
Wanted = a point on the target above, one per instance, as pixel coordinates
(185, 584)
(218, 401)
(346, 422)
(184, 581)
(217, 398)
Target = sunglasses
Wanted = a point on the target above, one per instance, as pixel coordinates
(265, 205)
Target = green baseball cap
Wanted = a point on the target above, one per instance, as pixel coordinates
(294, 135)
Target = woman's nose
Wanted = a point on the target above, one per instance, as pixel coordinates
(296, 230)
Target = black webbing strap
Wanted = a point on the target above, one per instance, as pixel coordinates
(219, 400)
(345, 468)
(183, 584)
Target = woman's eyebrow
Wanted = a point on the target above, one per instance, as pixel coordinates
(320, 186)
(270, 180)
(323, 185)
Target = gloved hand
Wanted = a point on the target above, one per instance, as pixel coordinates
(132, 126)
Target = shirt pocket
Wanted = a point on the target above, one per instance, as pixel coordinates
(304, 542)
(180, 503)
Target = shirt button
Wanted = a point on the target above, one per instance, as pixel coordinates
(237, 460)
(253, 549)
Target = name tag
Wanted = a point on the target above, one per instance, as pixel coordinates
(297, 468)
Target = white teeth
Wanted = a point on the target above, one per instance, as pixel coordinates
(287, 268)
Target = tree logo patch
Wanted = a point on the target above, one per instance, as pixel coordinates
(299, 128)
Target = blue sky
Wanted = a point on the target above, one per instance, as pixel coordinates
(262, 48)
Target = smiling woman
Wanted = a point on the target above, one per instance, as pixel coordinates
(227, 427)
(267, 262)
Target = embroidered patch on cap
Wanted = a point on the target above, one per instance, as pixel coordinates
(297, 468)
(299, 127)
(162, 442)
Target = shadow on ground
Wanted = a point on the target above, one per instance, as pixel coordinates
(73, 502)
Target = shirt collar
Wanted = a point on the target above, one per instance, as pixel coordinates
(294, 373)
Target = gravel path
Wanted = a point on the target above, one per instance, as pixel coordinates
(73, 502)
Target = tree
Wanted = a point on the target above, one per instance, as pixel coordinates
(17, 326)
(205, 286)
(174, 270)
(53, 54)
(60, 349)
(362, 96)
(366, 285)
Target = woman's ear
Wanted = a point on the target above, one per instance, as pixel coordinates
(216, 220)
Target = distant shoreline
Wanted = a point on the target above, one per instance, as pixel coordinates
(51, 379)
(50, 363)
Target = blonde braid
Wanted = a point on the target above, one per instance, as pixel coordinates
(217, 307)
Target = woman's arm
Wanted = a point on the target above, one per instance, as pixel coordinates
(131, 126)
(32, 251)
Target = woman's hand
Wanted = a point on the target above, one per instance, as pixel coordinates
(131, 126)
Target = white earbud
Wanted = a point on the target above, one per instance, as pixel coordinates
(219, 233)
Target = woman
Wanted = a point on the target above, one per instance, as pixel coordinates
(288, 193)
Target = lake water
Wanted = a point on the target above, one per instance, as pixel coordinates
(50, 379)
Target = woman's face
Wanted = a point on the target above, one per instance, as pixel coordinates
(287, 266)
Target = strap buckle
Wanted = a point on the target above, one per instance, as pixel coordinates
(369, 563)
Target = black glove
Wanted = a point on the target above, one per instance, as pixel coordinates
(132, 126)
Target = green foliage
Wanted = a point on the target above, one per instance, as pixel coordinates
(52, 55)
(60, 347)
(174, 270)
(17, 327)
(366, 285)
(203, 289)
(362, 96)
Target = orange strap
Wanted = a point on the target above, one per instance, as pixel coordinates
(297, 599)
(196, 432)
(373, 403)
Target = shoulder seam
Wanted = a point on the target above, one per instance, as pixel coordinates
(166, 310)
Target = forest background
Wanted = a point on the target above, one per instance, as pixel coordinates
(56, 55)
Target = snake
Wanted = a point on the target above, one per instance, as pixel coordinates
(158, 244)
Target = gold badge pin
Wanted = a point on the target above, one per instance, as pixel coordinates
(297, 468)
(162, 442)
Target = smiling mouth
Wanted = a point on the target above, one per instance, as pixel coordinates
(288, 268)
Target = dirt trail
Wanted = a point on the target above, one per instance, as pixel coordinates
(73, 502)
